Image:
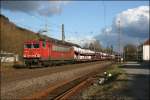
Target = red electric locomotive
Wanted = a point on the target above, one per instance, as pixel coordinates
(45, 52)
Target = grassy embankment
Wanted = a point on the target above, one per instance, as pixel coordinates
(111, 90)
(12, 36)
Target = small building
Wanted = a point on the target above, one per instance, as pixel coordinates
(6, 57)
(146, 50)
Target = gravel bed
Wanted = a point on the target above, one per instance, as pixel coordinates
(19, 89)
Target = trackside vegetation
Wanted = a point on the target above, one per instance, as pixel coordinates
(110, 89)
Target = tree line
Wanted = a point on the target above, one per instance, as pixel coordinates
(131, 52)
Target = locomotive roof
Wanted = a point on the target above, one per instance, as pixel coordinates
(62, 43)
(56, 41)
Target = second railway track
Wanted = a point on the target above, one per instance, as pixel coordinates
(44, 83)
(66, 89)
(74, 91)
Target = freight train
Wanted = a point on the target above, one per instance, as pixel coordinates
(45, 53)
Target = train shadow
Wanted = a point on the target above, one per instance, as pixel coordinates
(23, 66)
(17, 66)
(136, 65)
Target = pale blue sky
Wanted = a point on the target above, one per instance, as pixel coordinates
(81, 18)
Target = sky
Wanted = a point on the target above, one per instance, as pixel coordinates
(84, 21)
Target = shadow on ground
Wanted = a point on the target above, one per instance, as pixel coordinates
(17, 66)
(136, 65)
(138, 81)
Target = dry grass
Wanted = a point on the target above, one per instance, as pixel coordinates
(108, 91)
(8, 65)
(12, 37)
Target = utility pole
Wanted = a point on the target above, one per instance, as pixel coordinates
(119, 42)
(46, 29)
(124, 54)
(63, 34)
(137, 49)
(106, 33)
(137, 54)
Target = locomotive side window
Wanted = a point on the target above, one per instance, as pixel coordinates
(36, 45)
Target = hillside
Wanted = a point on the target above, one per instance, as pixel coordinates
(12, 37)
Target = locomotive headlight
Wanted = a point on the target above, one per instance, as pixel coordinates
(24, 56)
(38, 55)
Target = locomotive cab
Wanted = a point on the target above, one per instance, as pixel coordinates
(34, 51)
(31, 49)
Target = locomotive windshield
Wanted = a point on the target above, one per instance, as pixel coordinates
(27, 45)
(36, 45)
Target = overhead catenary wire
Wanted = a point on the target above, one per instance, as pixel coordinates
(50, 27)
(26, 26)
(119, 41)
(40, 19)
(106, 34)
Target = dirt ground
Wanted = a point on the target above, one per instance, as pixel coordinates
(22, 82)
(10, 74)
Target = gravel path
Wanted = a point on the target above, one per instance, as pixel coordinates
(9, 75)
(138, 80)
(24, 82)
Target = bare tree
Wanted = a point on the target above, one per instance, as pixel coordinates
(86, 46)
(95, 45)
(130, 52)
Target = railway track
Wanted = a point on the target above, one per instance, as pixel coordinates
(23, 73)
(70, 89)
(46, 83)
(67, 89)
(74, 91)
